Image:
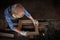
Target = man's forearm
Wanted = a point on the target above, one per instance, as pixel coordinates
(30, 17)
(16, 30)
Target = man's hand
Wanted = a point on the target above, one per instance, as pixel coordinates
(23, 33)
(36, 23)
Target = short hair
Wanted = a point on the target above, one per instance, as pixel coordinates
(17, 7)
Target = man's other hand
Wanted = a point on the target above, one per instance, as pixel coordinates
(36, 23)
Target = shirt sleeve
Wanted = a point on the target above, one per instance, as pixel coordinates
(10, 23)
(26, 13)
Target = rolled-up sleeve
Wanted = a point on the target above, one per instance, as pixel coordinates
(26, 13)
(8, 20)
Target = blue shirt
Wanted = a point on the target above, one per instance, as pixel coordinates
(9, 18)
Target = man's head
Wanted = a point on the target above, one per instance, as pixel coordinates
(17, 11)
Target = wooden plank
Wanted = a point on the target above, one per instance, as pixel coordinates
(19, 25)
(26, 21)
(36, 27)
(7, 35)
(29, 22)
(32, 33)
(33, 27)
(43, 23)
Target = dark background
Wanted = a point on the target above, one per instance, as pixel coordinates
(39, 9)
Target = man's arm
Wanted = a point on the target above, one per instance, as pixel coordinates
(30, 17)
(8, 20)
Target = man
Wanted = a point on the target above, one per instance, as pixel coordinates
(13, 13)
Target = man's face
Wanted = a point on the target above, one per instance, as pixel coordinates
(18, 15)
